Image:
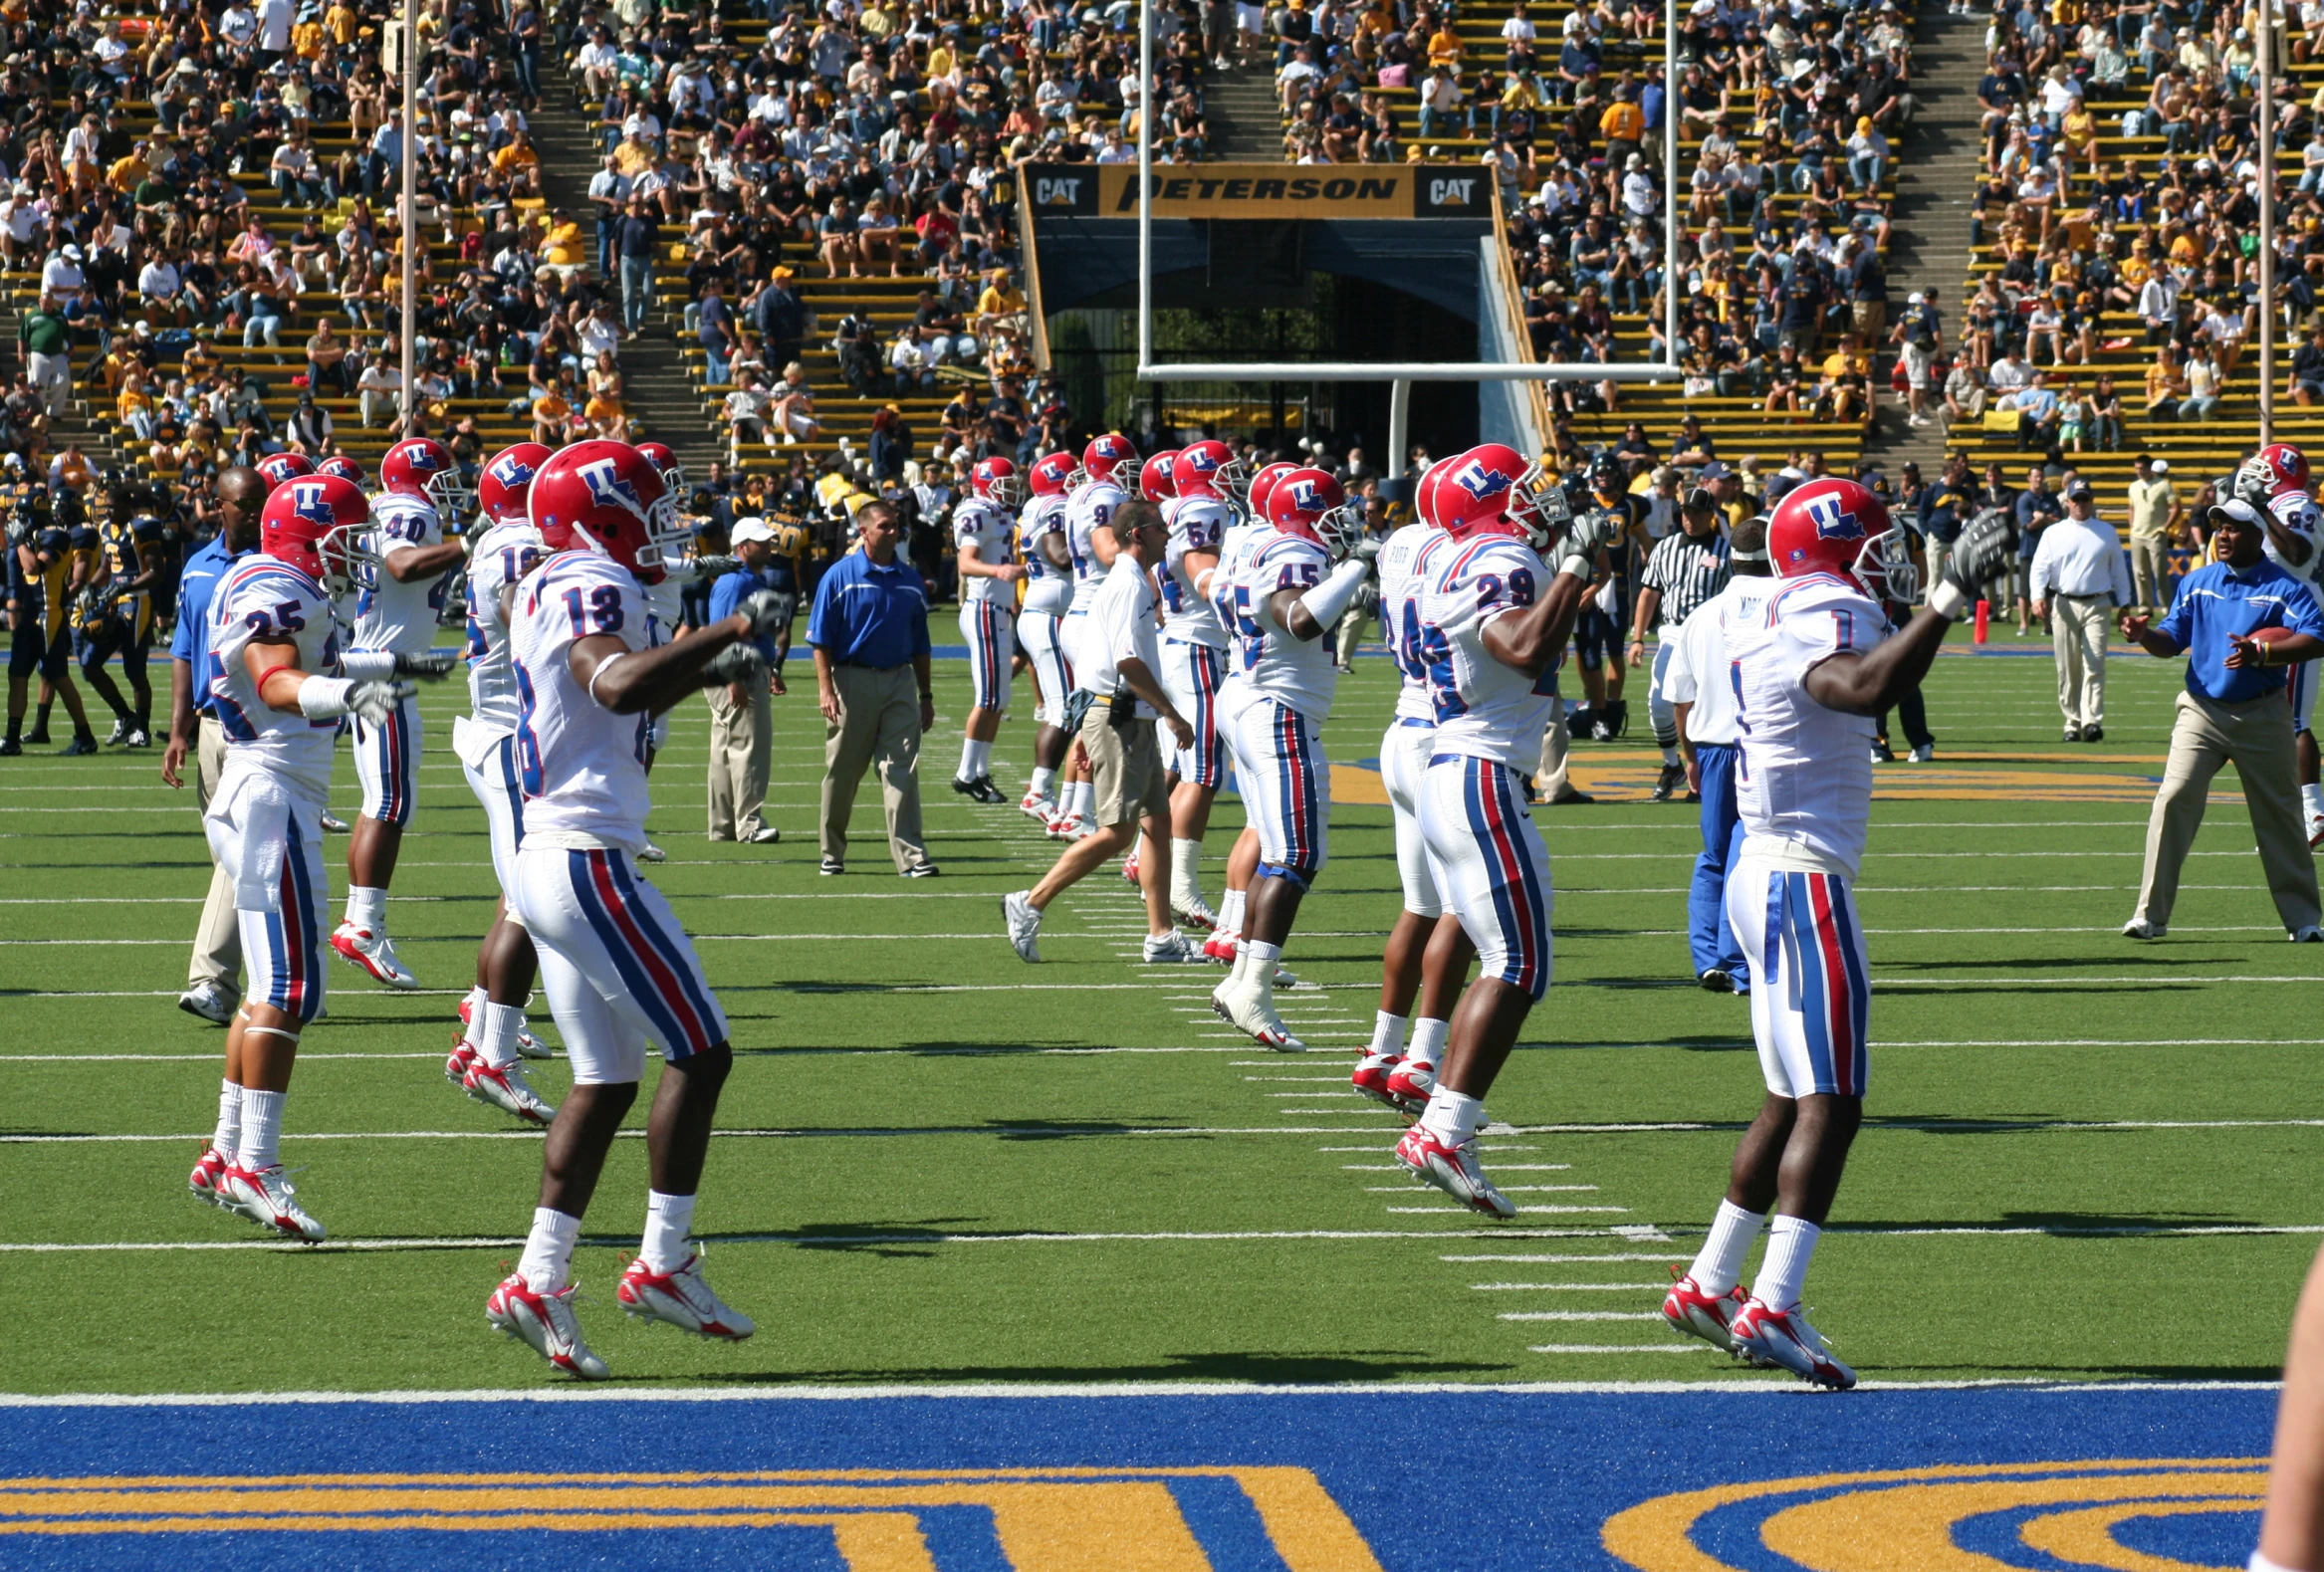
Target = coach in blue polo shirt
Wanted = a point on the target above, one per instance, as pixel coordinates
(869, 629)
(2234, 710)
(214, 978)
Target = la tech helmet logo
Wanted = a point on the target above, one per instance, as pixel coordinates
(1480, 482)
(604, 479)
(1832, 521)
(513, 472)
(308, 502)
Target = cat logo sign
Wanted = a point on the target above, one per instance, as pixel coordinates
(1062, 189)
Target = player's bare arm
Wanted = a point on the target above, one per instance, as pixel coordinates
(1869, 682)
(412, 564)
(973, 565)
(628, 681)
(1530, 640)
(1051, 547)
(1649, 606)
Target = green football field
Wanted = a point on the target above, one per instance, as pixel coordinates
(2083, 1158)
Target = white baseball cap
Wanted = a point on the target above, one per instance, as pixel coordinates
(751, 529)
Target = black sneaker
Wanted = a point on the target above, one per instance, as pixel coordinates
(1882, 754)
(81, 745)
(2094, 734)
(1571, 796)
(967, 788)
(121, 732)
(1667, 783)
(922, 870)
(1717, 980)
(38, 737)
(138, 737)
(10, 748)
(2073, 733)
(992, 792)
(832, 866)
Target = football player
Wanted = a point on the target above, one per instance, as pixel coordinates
(281, 688)
(1090, 547)
(401, 583)
(591, 671)
(491, 1044)
(1491, 622)
(1291, 587)
(344, 468)
(1386, 1073)
(1193, 657)
(1243, 538)
(1049, 593)
(2275, 480)
(984, 533)
(1597, 633)
(117, 617)
(41, 566)
(1808, 675)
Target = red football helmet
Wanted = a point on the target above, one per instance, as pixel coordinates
(997, 481)
(1264, 482)
(1104, 456)
(1838, 526)
(1207, 469)
(1052, 476)
(607, 497)
(422, 467)
(279, 467)
(346, 469)
(2273, 471)
(501, 490)
(1488, 485)
(1423, 494)
(316, 522)
(665, 464)
(1156, 481)
(1312, 505)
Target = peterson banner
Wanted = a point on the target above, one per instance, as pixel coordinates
(1262, 190)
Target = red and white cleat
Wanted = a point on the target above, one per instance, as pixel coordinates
(1195, 914)
(1129, 867)
(371, 953)
(682, 1298)
(268, 1198)
(456, 1067)
(530, 1046)
(1219, 946)
(507, 1089)
(1453, 1170)
(209, 1172)
(1035, 807)
(1080, 828)
(1249, 1006)
(1057, 824)
(1783, 1337)
(1696, 1313)
(1371, 1076)
(2315, 832)
(545, 1324)
(1411, 1084)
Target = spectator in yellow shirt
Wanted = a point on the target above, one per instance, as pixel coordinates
(341, 23)
(520, 162)
(1624, 128)
(564, 248)
(307, 40)
(1443, 46)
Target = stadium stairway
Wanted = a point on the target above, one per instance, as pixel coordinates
(661, 401)
(1935, 184)
(76, 423)
(1246, 116)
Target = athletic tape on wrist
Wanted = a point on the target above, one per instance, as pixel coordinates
(603, 667)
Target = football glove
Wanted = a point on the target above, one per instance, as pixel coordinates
(735, 663)
(714, 567)
(429, 663)
(376, 701)
(1590, 533)
(767, 613)
(1985, 551)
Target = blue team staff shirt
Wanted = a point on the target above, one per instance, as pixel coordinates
(727, 595)
(868, 615)
(2218, 604)
(191, 642)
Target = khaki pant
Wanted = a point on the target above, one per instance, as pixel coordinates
(217, 948)
(2078, 625)
(741, 744)
(879, 719)
(2149, 557)
(1125, 769)
(2256, 737)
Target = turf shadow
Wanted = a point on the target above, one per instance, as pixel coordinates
(2095, 1223)
(1256, 1369)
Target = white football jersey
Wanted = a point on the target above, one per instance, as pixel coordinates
(988, 526)
(392, 615)
(1197, 523)
(1047, 588)
(504, 554)
(1296, 672)
(1091, 507)
(1402, 566)
(2297, 513)
(1484, 706)
(583, 766)
(1698, 671)
(264, 596)
(1804, 786)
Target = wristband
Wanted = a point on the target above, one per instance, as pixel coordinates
(268, 675)
(1949, 600)
(600, 671)
(1575, 568)
(1329, 601)
(367, 664)
(324, 698)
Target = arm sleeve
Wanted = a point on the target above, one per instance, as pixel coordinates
(2175, 624)
(818, 631)
(1678, 678)
(181, 640)
(2301, 613)
(725, 595)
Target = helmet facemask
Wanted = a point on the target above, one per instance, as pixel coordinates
(1340, 529)
(666, 535)
(1006, 491)
(1885, 567)
(349, 558)
(452, 496)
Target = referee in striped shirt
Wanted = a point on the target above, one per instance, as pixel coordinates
(1684, 571)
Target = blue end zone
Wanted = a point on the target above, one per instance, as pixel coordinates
(2042, 1478)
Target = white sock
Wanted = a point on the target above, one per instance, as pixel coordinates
(368, 908)
(1791, 1246)
(1186, 871)
(258, 1146)
(1262, 958)
(1231, 913)
(1670, 755)
(1084, 798)
(668, 1220)
(968, 760)
(2260, 1563)
(2312, 795)
(984, 760)
(1451, 1116)
(1045, 781)
(1242, 965)
(1387, 1033)
(229, 1134)
(497, 1044)
(472, 1032)
(548, 1260)
(1428, 1042)
(1721, 1262)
